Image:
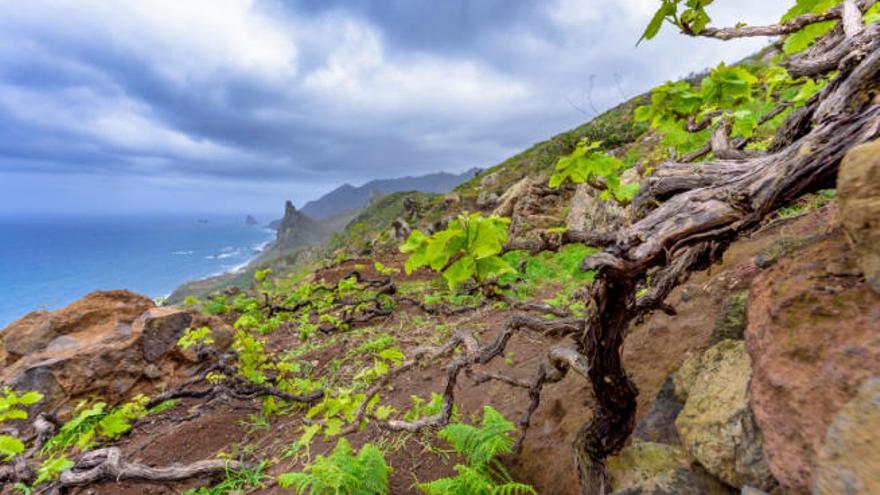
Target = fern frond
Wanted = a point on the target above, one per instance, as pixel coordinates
(483, 474)
(342, 473)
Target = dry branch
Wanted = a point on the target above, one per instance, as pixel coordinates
(108, 464)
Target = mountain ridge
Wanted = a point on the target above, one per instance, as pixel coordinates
(347, 196)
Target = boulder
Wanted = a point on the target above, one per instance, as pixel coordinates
(97, 313)
(849, 460)
(642, 461)
(589, 212)
(658, 424)
(489, 180)
(96, 346)
(858, 187)
(507, 201)
(161, 328)
(716, 426)
(487, 199)
(678, 481)
(814, 337)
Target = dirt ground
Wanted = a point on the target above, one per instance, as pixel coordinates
(654, 348)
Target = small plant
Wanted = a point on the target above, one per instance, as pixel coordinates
(198, 337)
(93, 422)
(12, 406)
(509, 358)
(51, 468)
(587, 163)
(342, 473)
(215, 306)
(302, 445)
(190, 301)
(483, 474)
(468, 249)
(385, 270)
(236, 482)
(422, 408)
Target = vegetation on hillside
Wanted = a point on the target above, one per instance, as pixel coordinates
(729, 150)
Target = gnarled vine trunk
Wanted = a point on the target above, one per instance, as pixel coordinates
(704, 206)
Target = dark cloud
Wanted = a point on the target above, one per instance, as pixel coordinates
(219, 100)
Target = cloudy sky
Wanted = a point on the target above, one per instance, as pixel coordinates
(236, 105)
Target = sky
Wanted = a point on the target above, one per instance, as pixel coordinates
(233, 106)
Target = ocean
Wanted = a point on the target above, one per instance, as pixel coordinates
(51, 261)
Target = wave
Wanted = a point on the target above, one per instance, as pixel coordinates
(223, 255)
(258, 248)
(229, 252)
(180, 253)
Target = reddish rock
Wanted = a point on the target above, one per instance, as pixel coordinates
(814, 337)
(103, 345)
(96, 313)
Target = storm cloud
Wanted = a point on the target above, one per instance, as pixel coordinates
(236, 105)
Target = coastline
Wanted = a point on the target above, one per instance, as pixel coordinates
(50, 261)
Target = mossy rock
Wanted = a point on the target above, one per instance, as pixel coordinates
(783, 247)
(731, 323)
(642, 461)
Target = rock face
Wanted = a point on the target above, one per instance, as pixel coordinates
(731, 323)
(678, 481)
(104, 345)
(590, 212)
(250, 220)
(297, 230)
(716, 426)
(814, 337)
(641, 461)
(507, 201)
(658, 424)
(858, 187)
(849, 461)
(99, 312)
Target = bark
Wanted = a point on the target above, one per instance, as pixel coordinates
(108, 464)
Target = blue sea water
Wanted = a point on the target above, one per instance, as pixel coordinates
(51, 261)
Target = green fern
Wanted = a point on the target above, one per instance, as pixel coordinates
(342, 473)
(483, 474)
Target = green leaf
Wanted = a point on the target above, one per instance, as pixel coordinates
(15, 414)
(807, 91)
(667, 8)
(333, 427)
(492, 267)
(30, 398)
(393, 354)
(52, 468)
(802, 7)
(10, 447)
(806, 37)
(460, 271)
(416, 240)
(873, 14)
